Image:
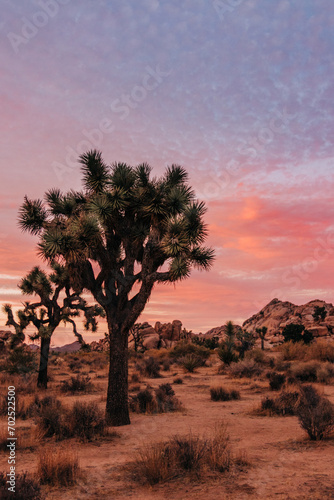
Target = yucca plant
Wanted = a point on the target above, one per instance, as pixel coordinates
(50, 310)
(120, 236)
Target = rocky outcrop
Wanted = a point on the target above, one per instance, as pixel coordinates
(144, 336)
(277, 314)
(219, 331)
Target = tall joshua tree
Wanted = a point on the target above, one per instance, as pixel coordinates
(120, 236)
(50, 310)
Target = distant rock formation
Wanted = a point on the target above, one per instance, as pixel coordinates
(219, 331)
(277, 314)
(144, 336)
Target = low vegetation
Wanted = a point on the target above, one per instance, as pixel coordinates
(58, 468)
(161, 400)
(222, 394)
(182, 456)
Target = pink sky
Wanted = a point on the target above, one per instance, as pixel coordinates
(244, 101)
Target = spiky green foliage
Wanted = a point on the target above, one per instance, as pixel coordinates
(125, 232)
(51, 309)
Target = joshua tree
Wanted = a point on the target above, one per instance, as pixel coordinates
(262, 334)
(48, 312)
(119, 237)
(226, 350)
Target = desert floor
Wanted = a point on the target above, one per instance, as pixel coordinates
(282, 462)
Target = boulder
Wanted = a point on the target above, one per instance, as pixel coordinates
(151, 341)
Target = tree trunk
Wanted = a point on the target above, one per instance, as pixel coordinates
(117, 409)
(42, 380)
(262, 343)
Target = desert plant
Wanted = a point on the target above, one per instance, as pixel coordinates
(182, 455)
(226, 355)
(151, 367)
(57, 468)
(86, 421)
(262, 334)
(320, 351)
(221, 394)
(286, 403)
(178, 380)
(245, 368)
(258, 356)
(209, 343)
(315, 413)
(276, 380)
(80, 383)
(291, 350)
(161, 401)
(190, 362)
(297, 333)
(183, 348)
(26, 488)
(319, 313)
(124, 230)
(304, 371)
(20, 360)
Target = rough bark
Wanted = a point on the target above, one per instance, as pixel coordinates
(117, 408)
(42, 380)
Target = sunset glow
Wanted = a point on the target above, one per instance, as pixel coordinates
(243, 99)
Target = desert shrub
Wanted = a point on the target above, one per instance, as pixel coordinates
(325, 373)
(57, 468)
(209, 343)
(245, 368)
(276, 380)
(83, 420)
(149, 367)
(178, 380)
(86, 421)
(80, 383)
(50, 419)
(166, 364)
(161, 401)
(190, 362)
(26, 488)
(180, 456)
(227, 356)
(285, 403)
(134, 377)
(297, 333)
(166, 400)
(292, 350)
(258, 356)
(183, 348)
(321, 351)
(142, 402)
(20, 360)
(305, 372)
(221, 394)
(315, 413)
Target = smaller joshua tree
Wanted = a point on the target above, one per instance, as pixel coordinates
(262, 334)
(49, 311)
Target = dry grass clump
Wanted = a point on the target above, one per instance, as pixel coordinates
(178, 380)
(315, 413)
(312, 371)
(58, 468)
(292, 350)
(149, 367)
(276, 380)
(258, 356)
(26, 488)
(246, 368)
(26, 384)
(286, 403)
(320, 351)
(222, 394)
(162, 400)
(84, 421)
(182, 456)
(80, 383)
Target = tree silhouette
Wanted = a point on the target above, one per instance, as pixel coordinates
(262, 334)
(50, 311)
(120, 236)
